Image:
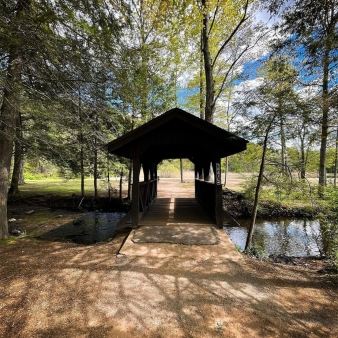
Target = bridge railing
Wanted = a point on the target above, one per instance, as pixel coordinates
(147, 195)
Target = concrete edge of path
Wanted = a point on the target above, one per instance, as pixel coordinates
(224, 250)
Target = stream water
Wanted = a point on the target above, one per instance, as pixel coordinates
(92, 227)
(282, 236)
(288, 237)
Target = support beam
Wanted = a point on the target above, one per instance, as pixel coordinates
(206, 169)
(145, 166)
(218, 192)
(135, 192)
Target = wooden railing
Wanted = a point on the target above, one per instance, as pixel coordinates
(205, 194)
(147, 195)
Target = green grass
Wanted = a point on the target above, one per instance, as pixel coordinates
(64, 187)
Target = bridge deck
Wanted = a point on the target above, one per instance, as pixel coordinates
(176, 211)
(174, 219)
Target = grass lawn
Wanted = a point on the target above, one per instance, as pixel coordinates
(66, 187)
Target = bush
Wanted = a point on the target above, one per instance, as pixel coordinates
(329, 226)
(257, 251)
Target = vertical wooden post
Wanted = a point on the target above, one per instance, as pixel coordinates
(155, 177)
(145, 166)
(206, 169)
(218, 192)
(135, 192)
(200, 172)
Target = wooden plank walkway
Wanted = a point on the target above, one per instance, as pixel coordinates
(176, 211)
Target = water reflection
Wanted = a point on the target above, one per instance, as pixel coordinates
(289, 237)
(90, 228)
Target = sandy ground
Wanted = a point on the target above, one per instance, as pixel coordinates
(59, 289)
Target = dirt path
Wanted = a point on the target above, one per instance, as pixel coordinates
(57, 289)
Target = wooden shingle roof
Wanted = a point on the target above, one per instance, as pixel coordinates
(177, 134)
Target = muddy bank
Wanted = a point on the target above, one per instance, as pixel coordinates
(72, 203)
(240, 207)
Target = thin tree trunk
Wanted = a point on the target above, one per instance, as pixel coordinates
(335, 162)
(95, 171)
(258, 186)
(325, 127)
(226, 168)
(201, 80)
(17, 168)
(108, 177)
(95, 157)
(208, 67)
(22, 173)
(81, 147)
(283, 144)
(129, 178)
(82, 170)
(130, 168)
(121, 181)
(8, 115)
(303, 160)
(181, 170)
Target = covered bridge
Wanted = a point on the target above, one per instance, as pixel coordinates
(177, 134)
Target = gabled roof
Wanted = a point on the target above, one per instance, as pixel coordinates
(176, 134)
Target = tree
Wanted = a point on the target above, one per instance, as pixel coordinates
(234, 19)
(313, 32)
(9, 111)
(304, 131)
(268, 108)
(278, 92)
(46, 51)
(269, 126)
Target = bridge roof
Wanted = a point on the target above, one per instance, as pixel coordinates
(177, 134)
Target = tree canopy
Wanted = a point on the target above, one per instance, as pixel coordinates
(75, 74)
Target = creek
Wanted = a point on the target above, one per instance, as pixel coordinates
(281, 236)
(90, 228)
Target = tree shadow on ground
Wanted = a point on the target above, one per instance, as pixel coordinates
(55, 289)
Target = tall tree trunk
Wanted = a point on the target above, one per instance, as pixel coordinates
(208, 67)
(22, 173)
(258, 187)
(181, 170)
(201, 80)
(95, 171)
(95, 157)
(283, 146)
(108, 177)
(9, 112)
(17, 168)
(226, 168)
(335, 162)
(81, 138)
(325, 127)
(302, 159)
(130, 172)
(82, 169)
(121, 186)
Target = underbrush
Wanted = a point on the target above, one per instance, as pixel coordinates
(297, 198)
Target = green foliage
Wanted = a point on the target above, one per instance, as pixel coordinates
(279, 189)
(238, 248)
(257, 251)
(37, 169)
(246, 161)
(329, 225)
(171, 168)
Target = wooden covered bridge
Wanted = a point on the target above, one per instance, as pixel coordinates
(177, 134)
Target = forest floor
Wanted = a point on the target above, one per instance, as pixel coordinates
(63, 289)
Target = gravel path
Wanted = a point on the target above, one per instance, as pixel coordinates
(59, 289)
